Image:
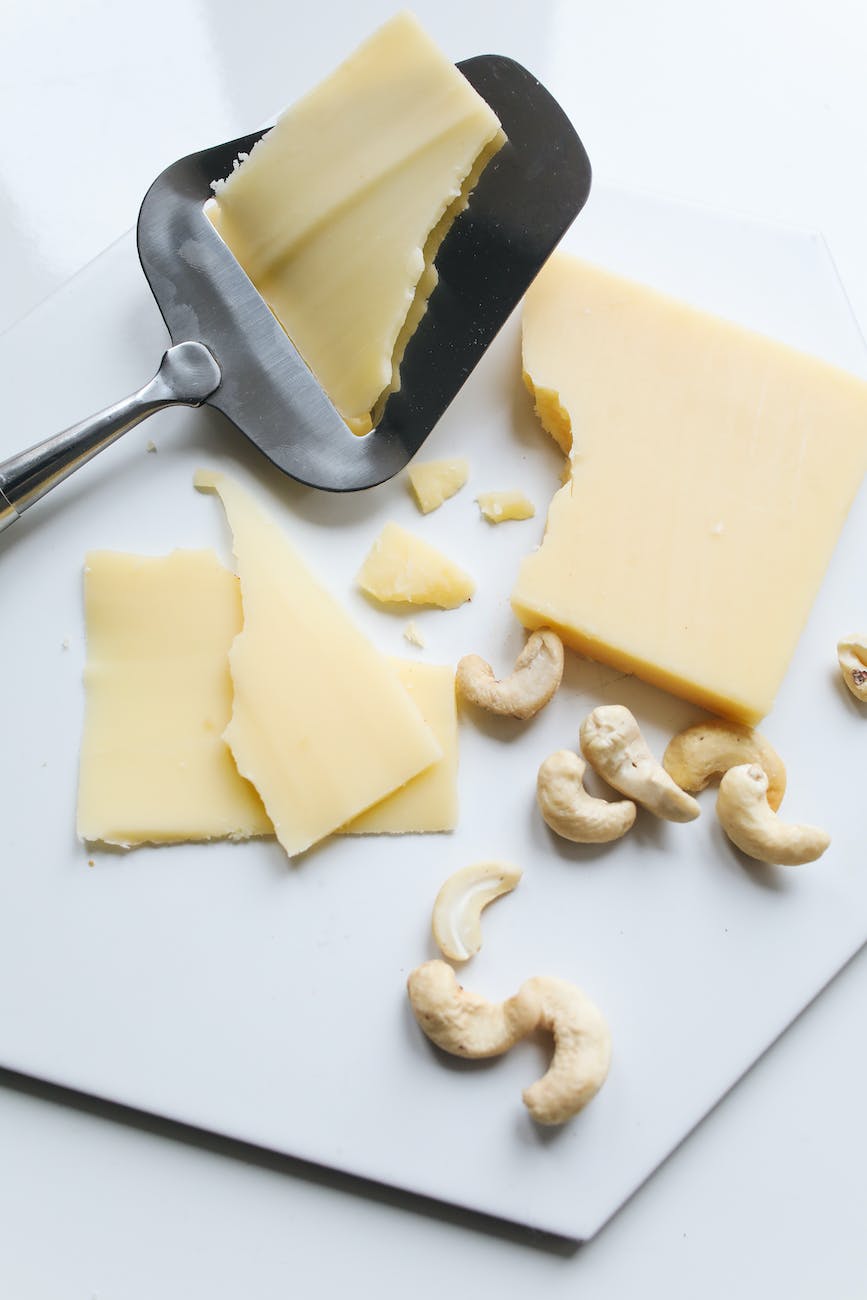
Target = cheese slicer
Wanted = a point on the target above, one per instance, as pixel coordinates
(229, 351)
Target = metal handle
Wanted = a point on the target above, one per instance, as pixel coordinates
(188, 374)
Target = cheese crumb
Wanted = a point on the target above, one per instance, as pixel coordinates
(401, 568)
(435, 481)
(151, 445)
(497, 507)
(412, 634)
(65, 643)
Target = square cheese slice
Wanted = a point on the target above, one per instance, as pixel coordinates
(154, 764)
(337, 213)
(321, 724)
(711, 470)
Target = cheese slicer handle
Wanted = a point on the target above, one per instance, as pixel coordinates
(188, 374)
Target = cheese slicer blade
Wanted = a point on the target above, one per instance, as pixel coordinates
(230, 352)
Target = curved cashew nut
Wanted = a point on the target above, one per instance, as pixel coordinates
(852, 658)
(537, 674)
(708, 749)
(750, 823)
(461, 1022)
(457, 913)
(613, 745)
(468, 1025)
(582, 1050)
(570, 810)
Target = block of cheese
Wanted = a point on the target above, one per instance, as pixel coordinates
(337, 213)
(154, 765)
(434, 481)
(497, 507)
(429, 802)
(321, 724)
(711, 472)
(400, 568)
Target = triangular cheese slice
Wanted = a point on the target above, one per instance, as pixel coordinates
(321, 725)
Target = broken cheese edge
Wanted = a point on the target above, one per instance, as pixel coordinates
(338, 212)
(401, 568)
(497, 507)
(320, 723)
(436, 481)
(683, 548)
(154, 767)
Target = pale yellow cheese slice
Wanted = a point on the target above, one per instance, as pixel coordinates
(154, 765)
(401, 568)
(321, 724)
(497, 507)
(337, 214)
(435, 481)
(711, 472)
(429, 802)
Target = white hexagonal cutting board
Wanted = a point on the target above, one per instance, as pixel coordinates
(224, 987)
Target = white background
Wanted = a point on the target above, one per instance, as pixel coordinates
(758, 107)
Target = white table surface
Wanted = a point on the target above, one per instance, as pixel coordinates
(755, 106)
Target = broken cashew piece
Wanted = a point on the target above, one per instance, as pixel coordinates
(457, 913)
(613, 745)
(537, 674)
(750, 823)
(468, 1025)
(852, 658)
(568, 808)
(708, 749)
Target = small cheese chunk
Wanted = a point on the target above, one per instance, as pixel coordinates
(320, 724)
(402, 569)
(428, 802)
(497, 507)
(413, 634)
(337, 213)
(436, 480)
(711, 473)
(154, 765)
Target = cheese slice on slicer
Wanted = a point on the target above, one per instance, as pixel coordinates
(337, 213)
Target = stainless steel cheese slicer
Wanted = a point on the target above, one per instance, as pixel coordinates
(229, 351)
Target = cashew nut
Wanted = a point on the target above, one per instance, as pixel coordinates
(852, 657)
(570, 810)
(708, 749)
(537, 674)
(457, 913)
(750, 823)
(582, 1050)
(464, 1023)
(468, 1025)
(613, 745)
